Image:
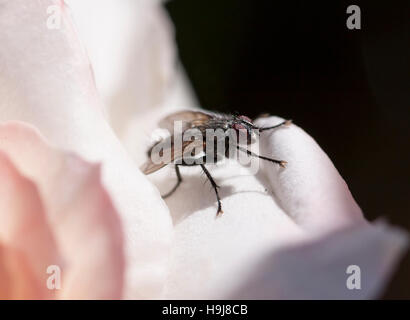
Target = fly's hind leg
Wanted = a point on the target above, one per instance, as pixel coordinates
(215, 186)
(177, 185)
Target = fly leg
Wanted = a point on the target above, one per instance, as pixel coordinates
(250, 153)
(177, 185)
(215, 186)
(284, 123)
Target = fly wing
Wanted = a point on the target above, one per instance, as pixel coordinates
(189, 119)
(168, 153)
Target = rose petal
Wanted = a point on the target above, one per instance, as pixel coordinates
(210, 256)
(17, 280)
(132, 50)
(319, 269)
(85, 225)
(209, 253)
(310, 188)
(27, 246)
(46, 80)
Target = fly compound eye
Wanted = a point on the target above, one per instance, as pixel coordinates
(243, 133)
(238, 126)
(245, 118)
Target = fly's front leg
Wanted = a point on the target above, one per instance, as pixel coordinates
(284, 123)
(215, 186)
(250, 153)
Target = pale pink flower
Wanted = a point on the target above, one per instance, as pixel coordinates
(55, 212)
(294, 242)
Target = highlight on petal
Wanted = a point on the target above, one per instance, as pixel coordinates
(48, 82)
(309, 189)
(134, 57)
(78, 216)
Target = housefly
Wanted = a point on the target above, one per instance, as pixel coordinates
(194, 149)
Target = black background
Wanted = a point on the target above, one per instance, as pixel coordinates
(349, 89)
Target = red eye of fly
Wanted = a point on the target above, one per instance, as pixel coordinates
(238, 126)
(245, 118)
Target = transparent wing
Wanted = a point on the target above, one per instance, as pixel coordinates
(189, 119)
(164, 152)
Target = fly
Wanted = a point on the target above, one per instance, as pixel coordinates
(202, 122)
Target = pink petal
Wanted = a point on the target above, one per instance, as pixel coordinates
(80, 214)
(17, 280)
(27, 246)
(46, 80)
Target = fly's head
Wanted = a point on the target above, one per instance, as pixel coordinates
(242, 123)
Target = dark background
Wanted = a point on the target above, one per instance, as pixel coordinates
(349, 89)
